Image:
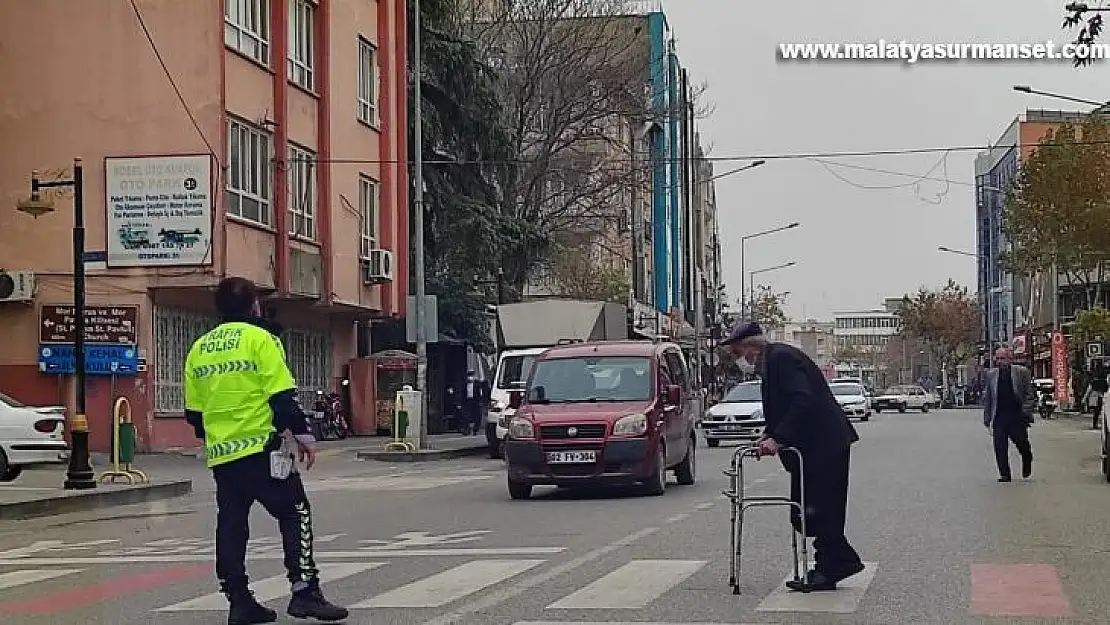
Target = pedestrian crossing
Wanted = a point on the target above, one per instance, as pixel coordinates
(628, 586)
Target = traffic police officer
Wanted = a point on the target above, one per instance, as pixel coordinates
(240, 398)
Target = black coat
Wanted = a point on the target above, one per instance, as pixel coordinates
(799, 406)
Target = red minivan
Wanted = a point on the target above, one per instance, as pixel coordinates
(606, 413)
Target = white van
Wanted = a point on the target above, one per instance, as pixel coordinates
(513, 367)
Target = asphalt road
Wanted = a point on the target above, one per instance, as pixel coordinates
(443, 544)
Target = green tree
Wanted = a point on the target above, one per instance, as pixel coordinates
(946, 321)
(766, 307)
(465, 142)
(1091, 324)
(1059, 206)
(1090, 24)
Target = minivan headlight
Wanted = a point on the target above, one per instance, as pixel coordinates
(520, 427)
(630, 425)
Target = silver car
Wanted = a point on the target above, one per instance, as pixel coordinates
(737, 417)
(853, 400)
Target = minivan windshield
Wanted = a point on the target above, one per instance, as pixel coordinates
(847, 389)
(514, 371)
(743, 393)
(606, 378)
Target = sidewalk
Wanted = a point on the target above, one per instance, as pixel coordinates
(38, 492)
(440, 447)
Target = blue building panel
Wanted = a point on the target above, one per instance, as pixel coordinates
(674, 136)
(660, 214)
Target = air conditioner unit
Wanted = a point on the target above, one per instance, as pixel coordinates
(17, 286)
(378, 267)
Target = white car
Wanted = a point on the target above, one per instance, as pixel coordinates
(852, 399)
(29, 436)
(737, 417)
(902, 398)
(513, 367)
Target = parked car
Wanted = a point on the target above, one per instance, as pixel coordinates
(29, 436)
(852, 399)
(513, 367)
(902, 398)
(604, 413)
(737, 417)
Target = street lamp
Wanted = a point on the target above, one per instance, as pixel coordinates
(751, 280)
(743, 241)
(988, 340)
(730, 172)
(1049, 94)
(79, 475)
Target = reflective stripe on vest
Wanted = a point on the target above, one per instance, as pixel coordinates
(239, 448)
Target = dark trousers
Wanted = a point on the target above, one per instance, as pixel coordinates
(1004, 432)
(1097, 412)
(826, 502)
(472, 415)
(238, 485)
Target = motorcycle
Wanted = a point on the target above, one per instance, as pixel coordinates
(1046, 398)
(328, 420)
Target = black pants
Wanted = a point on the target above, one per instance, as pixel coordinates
(826, 490)
(1005, 432)
(1097, 412)
(238, 485)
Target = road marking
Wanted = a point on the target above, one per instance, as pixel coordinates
(450, 585)
(634, 585)
(270, 588)
(12, 579)
(81, 596)
(705, 506)
(365, 554)
(678, 517)
(495, 598)
(1018, 590)
(613, 623)
(845, 600)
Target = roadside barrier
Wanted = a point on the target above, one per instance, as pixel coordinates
(123, 447)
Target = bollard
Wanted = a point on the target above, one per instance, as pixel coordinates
(123, 447)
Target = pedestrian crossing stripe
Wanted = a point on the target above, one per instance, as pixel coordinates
(633, 586)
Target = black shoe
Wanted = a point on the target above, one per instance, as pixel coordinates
(1004, 479)
(845, 572)
(310, 603)
(815, 581)
(246, 610)
(1027, 468)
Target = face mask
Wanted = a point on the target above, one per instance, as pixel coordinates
(746, 366)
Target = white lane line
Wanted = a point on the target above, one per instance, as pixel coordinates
(12, 579)
(705, 506)
(844, 600)
(497, 597)
(678, 517)
(365, 554)
(270, 588)
(634, 585)
(450, 585)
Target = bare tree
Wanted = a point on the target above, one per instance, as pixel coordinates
(584, 272)
(577, 100)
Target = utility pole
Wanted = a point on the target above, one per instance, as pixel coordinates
(417, 242)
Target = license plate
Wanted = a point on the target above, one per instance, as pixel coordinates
(571, 457)
(731, 428)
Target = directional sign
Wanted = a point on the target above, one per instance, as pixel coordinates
(115, 325)
(121, 360)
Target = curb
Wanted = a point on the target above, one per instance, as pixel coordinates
(101, 497)
(426, 455)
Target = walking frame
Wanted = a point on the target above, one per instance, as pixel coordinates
(741, 503)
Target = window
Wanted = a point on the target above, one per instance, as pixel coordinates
(247, 28)
(174, 333)
(302, 42)
(248, 175)
(367, 215)
(308, 354)
(367, 82)
(302, 192)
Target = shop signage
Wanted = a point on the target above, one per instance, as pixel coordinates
(1060, 366)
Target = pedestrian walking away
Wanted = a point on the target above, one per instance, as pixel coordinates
(240, 398)
(801, 412)
(1008, 404)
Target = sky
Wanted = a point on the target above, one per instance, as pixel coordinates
(855, 245)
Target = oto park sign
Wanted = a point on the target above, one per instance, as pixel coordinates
(111, 340)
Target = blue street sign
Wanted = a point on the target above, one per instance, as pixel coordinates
(100, 359)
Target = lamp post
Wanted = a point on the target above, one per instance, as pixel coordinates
(415, 74)
(79, 475)
(1057, 96)
(751, 281)
(743, 241)
(988, 340)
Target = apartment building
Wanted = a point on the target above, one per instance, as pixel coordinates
(258, 138)
(860, 338)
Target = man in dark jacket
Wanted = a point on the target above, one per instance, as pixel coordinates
(801, 412)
